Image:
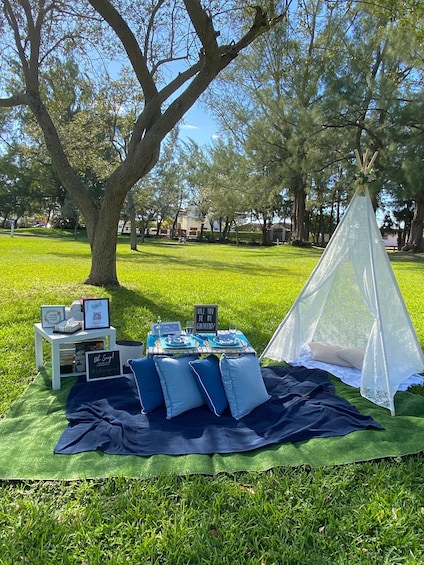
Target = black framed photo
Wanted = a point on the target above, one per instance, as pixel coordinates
(103, 364)
(96, 313)
(206, 318)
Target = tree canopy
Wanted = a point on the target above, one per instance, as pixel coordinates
(339, 77)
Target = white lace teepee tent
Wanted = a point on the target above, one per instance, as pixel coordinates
(352, 302)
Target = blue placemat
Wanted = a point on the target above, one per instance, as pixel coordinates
(169, 344)
(215, 342)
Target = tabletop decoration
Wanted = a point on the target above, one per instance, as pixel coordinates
(52, 315)
(103, 364)
(96, 313)
(177, 341)
(206, 318)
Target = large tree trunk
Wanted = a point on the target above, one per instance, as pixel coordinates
(415, 240)
(103, 257)
(299, 235)
(265, 229)
(103, 238)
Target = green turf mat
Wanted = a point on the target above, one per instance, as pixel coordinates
(33, 425)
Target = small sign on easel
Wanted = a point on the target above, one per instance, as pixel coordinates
(206, 318)
(103, 364)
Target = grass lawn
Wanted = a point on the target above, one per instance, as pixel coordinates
(362, 513)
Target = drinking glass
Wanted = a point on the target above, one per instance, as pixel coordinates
(189, 327)
(232, 328)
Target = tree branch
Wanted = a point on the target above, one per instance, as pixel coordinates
(226, 53)
(146, 116)
(150, 26)
(10, 16)
(203, 25)
(15, 100)
(130, 44)
(260, 25)
(204, 71)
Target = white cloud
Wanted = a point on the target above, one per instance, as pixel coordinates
(188, 126)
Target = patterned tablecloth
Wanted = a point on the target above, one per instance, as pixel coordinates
(202, 344)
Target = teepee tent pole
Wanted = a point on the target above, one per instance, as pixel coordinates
(381, 334)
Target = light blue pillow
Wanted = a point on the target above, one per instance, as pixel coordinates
(243, 384)
(209, 380)
(148, 383)
(179, 386)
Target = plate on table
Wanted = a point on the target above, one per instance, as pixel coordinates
(177, 341)
(226, 340)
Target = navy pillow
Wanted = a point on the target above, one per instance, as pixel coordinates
(208, 376)
(243, 384)
(179, 386)
(148, 383)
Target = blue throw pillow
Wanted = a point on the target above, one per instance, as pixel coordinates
(243, 384)
(179, 386)
(148, 383)
(208, 376)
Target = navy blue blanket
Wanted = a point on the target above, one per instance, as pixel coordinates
(106, 415)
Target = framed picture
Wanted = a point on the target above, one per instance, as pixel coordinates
(206, 318)
(166, 328)
(52, 315)
(96, 313)
(103, 364)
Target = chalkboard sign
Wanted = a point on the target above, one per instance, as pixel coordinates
(103, 364)
(205, 318)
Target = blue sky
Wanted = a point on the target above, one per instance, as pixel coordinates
(199, 126)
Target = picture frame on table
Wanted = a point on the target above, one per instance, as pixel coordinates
(52, 315)
(96, 313)
(206, 318)
(103, 364)
(160, 329)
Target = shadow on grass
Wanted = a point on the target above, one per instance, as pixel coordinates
(239, 260)
(170, 255)
(48, 233)
(405, 257)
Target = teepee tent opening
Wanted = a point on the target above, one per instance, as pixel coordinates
(352, 310)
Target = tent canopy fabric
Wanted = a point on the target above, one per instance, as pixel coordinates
(352, 300)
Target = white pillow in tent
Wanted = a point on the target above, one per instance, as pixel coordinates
(336, 355)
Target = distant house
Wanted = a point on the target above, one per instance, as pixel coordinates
(190, 222)
(279, 232)
(250, 226)
(391, 242)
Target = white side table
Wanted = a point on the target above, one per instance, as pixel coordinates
(57, 339)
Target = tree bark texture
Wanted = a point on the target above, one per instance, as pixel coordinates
(415, 240)
(299, 236)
